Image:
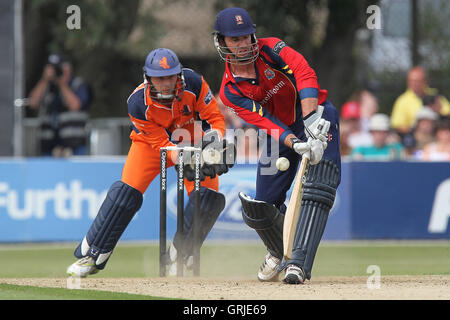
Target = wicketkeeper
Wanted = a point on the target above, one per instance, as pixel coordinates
(164, 110)
(271, 85)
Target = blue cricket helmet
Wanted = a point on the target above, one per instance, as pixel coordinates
(162, 62)
(234, 22)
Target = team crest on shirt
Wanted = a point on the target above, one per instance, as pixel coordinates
(239, 19)
(186, 110)
(269, 73)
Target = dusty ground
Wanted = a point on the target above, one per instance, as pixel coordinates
(340, 288)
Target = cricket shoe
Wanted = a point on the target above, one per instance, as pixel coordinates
(83, 267)
(269, 269)
(294, 275)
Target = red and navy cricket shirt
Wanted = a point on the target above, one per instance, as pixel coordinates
(272, 101)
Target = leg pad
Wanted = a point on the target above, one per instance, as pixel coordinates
(319, 193)
(121, 203)
(211, 205)
(267, 220)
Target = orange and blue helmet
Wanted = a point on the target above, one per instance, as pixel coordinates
(163, 62)
(235, 22)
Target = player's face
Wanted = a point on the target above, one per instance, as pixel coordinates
(239, 46)
(165, 85)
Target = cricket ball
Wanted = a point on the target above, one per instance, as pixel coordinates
(282, 164)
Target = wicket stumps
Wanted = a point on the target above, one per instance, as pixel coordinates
(180, 210)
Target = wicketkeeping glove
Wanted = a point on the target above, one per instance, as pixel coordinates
(216, 158)
(225, 158)
(189, 166)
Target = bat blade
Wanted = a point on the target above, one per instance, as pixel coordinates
(293, 210)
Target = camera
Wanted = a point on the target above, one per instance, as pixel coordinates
(58, 70)
(56, 61)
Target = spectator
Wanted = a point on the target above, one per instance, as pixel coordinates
(424, 128)
(61, 100)
(410, 102)
(368, 107)
(433, 102)
(349, 124)
(439, 150)
(422, 133)
(345, 129)
(379, 126)
(350, 121)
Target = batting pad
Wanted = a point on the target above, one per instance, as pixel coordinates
(267, 220)
(319, 193)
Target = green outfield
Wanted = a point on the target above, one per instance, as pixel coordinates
(14, 292)
(228, 259)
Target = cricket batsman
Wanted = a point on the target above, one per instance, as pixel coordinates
(164, 111)
(272, 86)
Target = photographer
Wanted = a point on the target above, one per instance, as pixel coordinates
(62, 101)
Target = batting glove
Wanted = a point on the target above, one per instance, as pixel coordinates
(317, 127)
(312, 149)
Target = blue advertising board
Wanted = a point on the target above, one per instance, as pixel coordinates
(400, 200)
(57, 200)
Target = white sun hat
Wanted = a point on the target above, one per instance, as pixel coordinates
(379, 122)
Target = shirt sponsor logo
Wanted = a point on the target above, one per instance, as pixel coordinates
(279, 46)
(181, 125)
(272, 92)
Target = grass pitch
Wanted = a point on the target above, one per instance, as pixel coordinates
(228, 259)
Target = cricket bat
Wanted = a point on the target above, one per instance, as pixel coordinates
(293, 209)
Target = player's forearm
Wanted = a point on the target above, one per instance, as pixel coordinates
(309, 105)
(288, 140)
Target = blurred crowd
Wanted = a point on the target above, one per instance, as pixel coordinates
(417, 129)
